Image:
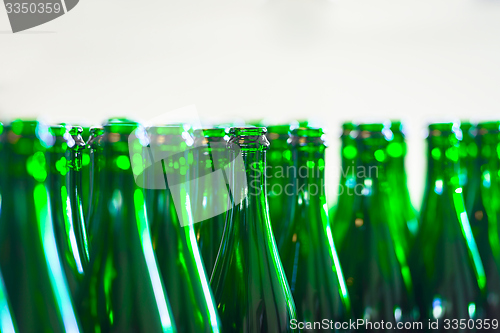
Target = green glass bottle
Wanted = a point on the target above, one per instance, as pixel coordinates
(95, 148)
(250, 287)
(85, 172)
(123, 290)
(370, 242)
(210, 155)
(308, 254)
(175, 244)
(396, 151)
(7, 322)
(64, 164)
(29, 259)
(484, 209)
(468, 172)
(448, 273)
(347, 182)
(279, 188)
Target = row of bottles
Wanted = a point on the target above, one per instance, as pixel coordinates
(125, 229)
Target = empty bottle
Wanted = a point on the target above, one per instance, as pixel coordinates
(468, 153)
(448, 272)
(64, 164)
(396, 171)
(210, 157)
(347, 182)
(123, 290)
(370, 242)
(173, 233)
(483, 209)
(85, 171)
(29, 258)
(308, 254)
(250, 287)
(279, 184)
(7, 322)
(96, 178)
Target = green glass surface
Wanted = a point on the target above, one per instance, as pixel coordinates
(369, 239)
(484, 210)
(347, 181)
(29, 258)
(468, 152)
(307, 251)
(210, 155)
(85, 172)
(249, 284)
(122, 289)
(401, 202)
(7, 322)
(449, 276)
(96, 178)
(175, 245)
(278, 168)
(64, 164)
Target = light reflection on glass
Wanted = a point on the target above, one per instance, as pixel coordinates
(57, 279)
(147, 247)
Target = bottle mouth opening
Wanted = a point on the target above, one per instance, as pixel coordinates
(166, 130)
(397, 128)
(248, 138)
(31, 130)
(349, 129)
(278, 131)
(306, 136)
(376, 131)
(307, 132)
(209, 133)
(465, 125)
(26, 127)
(247, 131)
(488, 127)
(436, 129)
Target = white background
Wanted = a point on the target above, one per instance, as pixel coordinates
(419, 60)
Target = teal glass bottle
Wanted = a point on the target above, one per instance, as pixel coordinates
(249, 285)
(370, 242)
(307, 250)
(347, 182)
(210, 156)
(468, 154)
(122, 289)
(448, 272)
(401, 202)
(279, 182)
(484, 209)
(29, 259)
(64, 164)
(174, 242)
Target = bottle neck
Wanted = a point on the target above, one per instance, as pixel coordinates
(372, 170)
(489, 160)
(254, 166)
(442, 164)
(309, 166)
